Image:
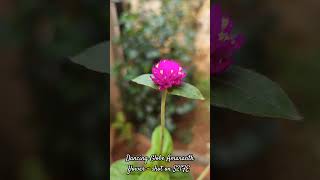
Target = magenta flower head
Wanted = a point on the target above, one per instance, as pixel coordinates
(167, 73)
(223, 44)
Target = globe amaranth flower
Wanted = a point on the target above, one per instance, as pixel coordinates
(167, 73)
(223, 44)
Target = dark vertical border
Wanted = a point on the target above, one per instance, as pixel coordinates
(213, 144)
(107, 132)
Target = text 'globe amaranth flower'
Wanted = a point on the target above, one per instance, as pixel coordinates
(167, 73)
(222, 43)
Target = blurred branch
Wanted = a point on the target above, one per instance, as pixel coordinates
(116, 53)
(199, 6)
(204, 173)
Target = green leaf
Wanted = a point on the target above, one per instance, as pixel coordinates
(167, 147)
(245, 91)
(185, 90)
(95, 58)
(145, 80)
(118, 171)
(150, 175)
(180, 175)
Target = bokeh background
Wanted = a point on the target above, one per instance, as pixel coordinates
(52, 112)
(282, 42)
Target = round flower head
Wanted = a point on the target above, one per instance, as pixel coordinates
(223, 44)
(167, 73)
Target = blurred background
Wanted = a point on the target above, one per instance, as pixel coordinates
(52, 112)
(143, 32)
(282, 42)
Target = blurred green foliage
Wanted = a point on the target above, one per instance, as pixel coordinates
(147, 36)
(123, 127)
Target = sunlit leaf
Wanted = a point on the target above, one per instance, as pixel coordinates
(180, 175)
(118, 171)
(150, 175)
(167, 146)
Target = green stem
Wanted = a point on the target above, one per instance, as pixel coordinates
(162, 116)
(204, 172)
